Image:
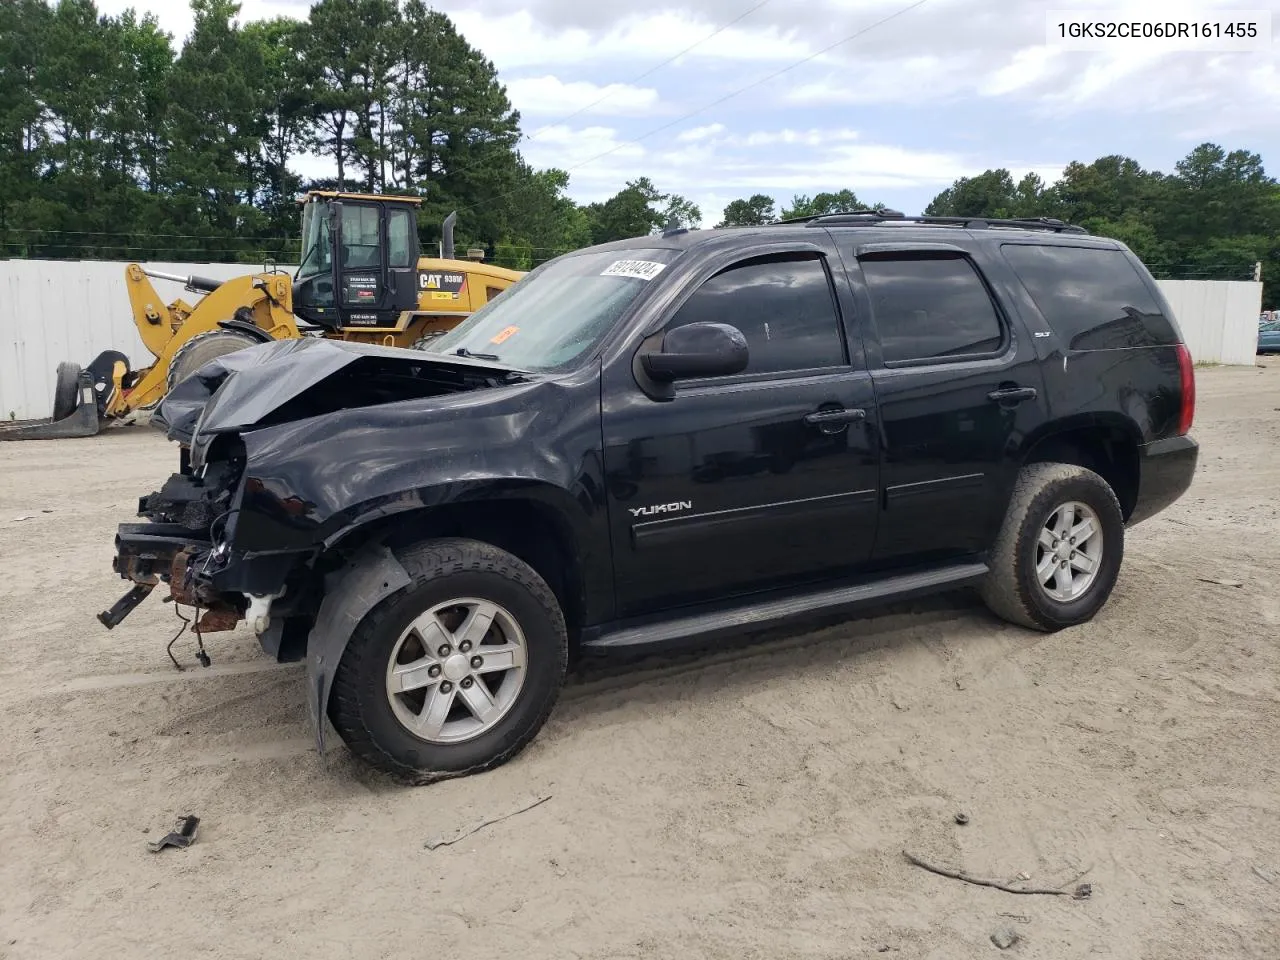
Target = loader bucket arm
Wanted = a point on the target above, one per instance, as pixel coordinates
(150, 313)
(265, 300)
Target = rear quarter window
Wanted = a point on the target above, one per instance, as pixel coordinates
(1092, 297)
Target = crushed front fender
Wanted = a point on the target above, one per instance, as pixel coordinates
(368, 578)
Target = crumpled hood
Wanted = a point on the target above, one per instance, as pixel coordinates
(307, 377)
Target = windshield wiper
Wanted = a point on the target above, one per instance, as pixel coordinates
(306, 257)
(464, 352)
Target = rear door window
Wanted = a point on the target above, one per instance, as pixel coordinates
(1092, 297)
(930, 308)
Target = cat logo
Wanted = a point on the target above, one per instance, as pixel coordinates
(661, 508)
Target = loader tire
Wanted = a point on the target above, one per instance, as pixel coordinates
(65, 390)
(201, 349)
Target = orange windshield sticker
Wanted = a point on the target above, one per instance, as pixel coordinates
(504, 335)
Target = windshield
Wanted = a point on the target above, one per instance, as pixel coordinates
(315, 240)
(559, 312)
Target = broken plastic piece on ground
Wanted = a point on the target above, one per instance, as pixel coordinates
(1084, 891)
(1005, 938)
(183, 837)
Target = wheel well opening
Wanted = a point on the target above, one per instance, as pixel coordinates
(523, 528)
(1109, 452)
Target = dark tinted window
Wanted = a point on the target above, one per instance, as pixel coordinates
(930, 308)
(783, 306)
(1093, 299)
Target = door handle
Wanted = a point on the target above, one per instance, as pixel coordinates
(1012, 394)
(832, 418)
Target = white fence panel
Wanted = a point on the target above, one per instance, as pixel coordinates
(1219, 318)
(55, 310)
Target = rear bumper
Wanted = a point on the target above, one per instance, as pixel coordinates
(1165, 471)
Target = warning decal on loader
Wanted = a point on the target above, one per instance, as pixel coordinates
(442, 285)
(361, 288)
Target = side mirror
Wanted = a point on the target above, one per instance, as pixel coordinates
(697, 350)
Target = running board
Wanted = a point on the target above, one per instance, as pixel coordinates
(701, 623)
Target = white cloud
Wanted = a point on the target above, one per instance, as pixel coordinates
(815, 137)
(549, 95)
(518, 40)
(718, 167)
(564, 146)
(915, 79)
(701, 133)
(1027, 68)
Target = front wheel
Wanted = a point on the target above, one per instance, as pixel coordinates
(458, 672)
(1058, 553)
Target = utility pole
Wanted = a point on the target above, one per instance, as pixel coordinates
(1257, 272)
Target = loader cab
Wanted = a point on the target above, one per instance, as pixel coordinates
(358, 266)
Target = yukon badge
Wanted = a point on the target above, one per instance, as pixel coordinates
(661, 508)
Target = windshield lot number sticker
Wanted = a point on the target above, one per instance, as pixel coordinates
(637, 269)
(504, 334)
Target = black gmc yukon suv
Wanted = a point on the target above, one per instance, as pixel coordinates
(665, 438)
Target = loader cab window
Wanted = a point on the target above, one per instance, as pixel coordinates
(399, 249)
(360, 247)
(316, 248)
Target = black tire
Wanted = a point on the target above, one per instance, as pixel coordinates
(1012, 590)
(202, 348)
(65, 390)
(442, 570)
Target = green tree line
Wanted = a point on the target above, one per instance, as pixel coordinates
(1214, 217)
(114, 144)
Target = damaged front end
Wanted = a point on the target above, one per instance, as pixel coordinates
(242, 531)
(184, 545)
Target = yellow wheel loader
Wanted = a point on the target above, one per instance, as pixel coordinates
(359, 277)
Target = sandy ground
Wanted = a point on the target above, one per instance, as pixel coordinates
(750, 803)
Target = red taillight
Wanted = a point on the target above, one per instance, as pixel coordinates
(1187, 377)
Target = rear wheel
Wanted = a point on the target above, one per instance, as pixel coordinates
(66, 386)
(1059, 550)
(202, 348)
(458, 672)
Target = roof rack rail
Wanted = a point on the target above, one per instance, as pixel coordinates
(852, 218)
(877, 212)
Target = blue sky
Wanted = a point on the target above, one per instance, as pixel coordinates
(944, 90)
